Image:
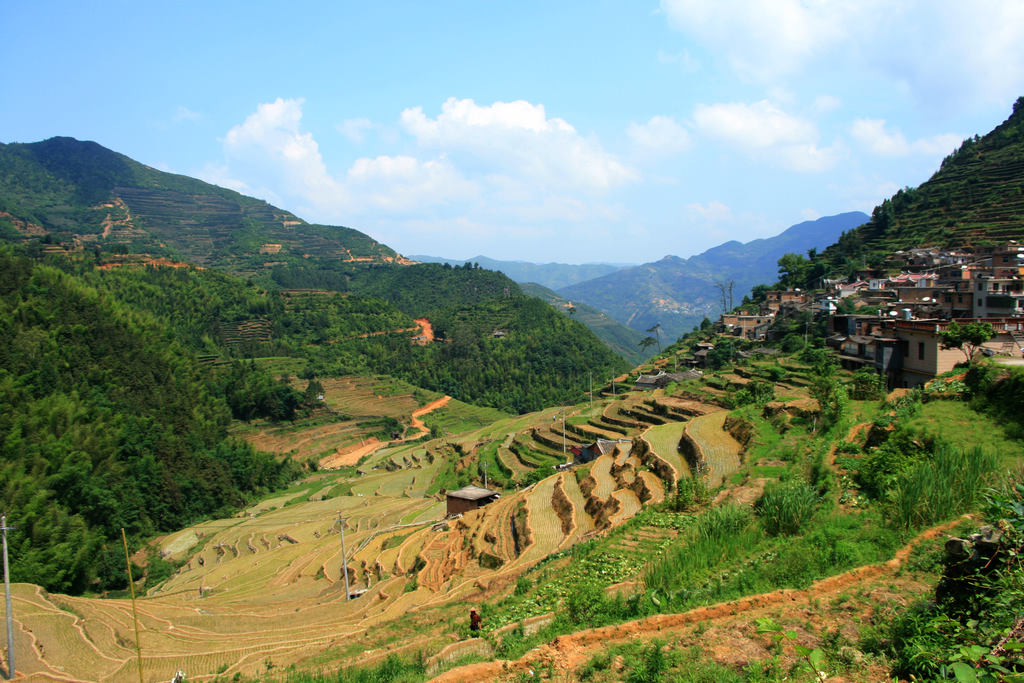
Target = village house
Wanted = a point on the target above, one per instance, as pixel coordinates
(777, 300)
(909, 353)
(663, 379)
(469, 498)
(746, 326)
(590, 452)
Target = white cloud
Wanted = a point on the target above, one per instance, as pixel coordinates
(765, 131)
(760, 124)
(661, 135)
(946, 51)
(272, 147)
(185, 114)
(713, 211)
(764, 38)
(403, 183)
(517, 139)
(355, 129)
(872, 134)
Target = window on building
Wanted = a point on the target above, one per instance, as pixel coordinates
(905, 347)
(920, 350)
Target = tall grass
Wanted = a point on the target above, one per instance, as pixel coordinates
(949, 483)
(720, 533)
(393, 669)
(785, 508)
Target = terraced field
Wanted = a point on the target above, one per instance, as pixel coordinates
(264, 590)
(720, 450)
(664, 440)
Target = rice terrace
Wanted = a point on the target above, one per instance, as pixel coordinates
(239, 446)
(260, 596)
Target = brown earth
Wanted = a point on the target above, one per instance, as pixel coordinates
(566, 654)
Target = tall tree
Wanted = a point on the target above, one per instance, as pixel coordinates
(969, 337)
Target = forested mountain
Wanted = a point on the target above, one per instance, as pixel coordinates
(678, 293)
(622, 340)
(108, 421)
(80, 193)
(550, 275)
(975, 198)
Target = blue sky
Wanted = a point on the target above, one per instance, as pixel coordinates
(542, 131)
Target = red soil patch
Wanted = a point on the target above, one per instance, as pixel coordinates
(351, 455)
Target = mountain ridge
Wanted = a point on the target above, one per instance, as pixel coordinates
(678, 293)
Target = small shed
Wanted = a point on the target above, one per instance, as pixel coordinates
(591, 452)
(469, 498)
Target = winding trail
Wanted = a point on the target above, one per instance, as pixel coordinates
(352, 456)
(417, 423)
(565, 654)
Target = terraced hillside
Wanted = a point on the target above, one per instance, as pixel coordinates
(264, 589)
(80, 191)
(974, 198)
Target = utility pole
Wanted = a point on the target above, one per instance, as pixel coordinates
(563, 430)
(344, 555)
(591, 375)
(135, 614)
(7, 597)
(485, 473)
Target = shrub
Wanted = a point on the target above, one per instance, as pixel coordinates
(784, 508)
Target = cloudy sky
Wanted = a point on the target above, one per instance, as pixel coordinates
(564, 131)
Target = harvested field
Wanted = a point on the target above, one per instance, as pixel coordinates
(600, 473)
(583, 523)
(720, 451)
(629, 505)
(543, 523)
(664, 440)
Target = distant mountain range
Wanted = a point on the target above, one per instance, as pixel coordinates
(550, 275)
(678, 293)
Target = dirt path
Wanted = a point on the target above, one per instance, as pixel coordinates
(417, 423)
(352, 456)
(569, 652)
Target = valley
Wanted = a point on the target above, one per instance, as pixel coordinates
(250, 448)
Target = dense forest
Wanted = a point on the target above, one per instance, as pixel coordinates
(107, 422)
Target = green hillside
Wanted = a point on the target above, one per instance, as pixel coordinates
(623, 340)
(109, 422)
(80, 193)
(976, 197)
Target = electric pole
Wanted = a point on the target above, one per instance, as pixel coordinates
(7, 597)
(485, 473)
(591, 376)
(563, 430)
(344, 558)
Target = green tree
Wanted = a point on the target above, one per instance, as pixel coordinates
(968, 337)
(867, 385)
(793, 269)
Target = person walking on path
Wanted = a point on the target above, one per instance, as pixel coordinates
(474, 620)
